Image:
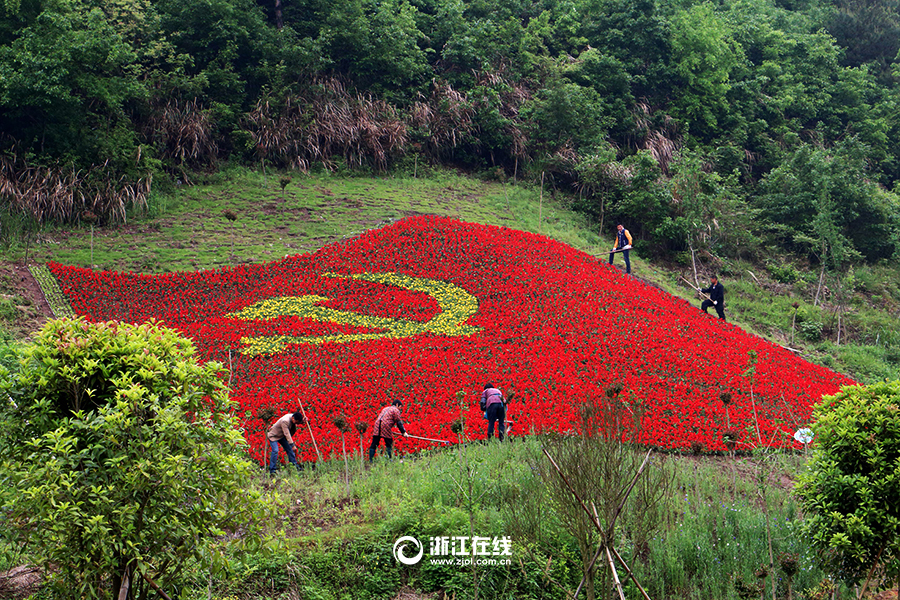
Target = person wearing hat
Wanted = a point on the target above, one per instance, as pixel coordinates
(623, 244)
(281, 434)
(716, 293)
(388, 418)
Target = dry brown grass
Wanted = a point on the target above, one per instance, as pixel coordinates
(183, 133)
(327, 122)
(662, 143)
(62, 193)
(446, 117)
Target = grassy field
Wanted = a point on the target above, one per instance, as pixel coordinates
(191, 229)
(338, 537)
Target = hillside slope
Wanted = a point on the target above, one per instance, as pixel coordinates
(429, 308)
(190, 231)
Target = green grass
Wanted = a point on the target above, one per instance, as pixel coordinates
(190, 231)
(338, 542)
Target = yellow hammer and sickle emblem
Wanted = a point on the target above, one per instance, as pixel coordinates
(456, 306)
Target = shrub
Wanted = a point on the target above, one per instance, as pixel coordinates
(783, 273)
(851, 484)
(811, 331)
(124, 454)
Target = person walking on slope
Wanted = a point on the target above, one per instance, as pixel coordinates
(623, 244)
(716, 299)
(495, 410)
(383, 428)
(280, 434)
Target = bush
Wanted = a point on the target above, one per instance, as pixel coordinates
(783, 273)
(124, 455)
(851, 485)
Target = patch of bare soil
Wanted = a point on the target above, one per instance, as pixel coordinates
(20, 582)
(309, 513)
(407, 593)
(33, 311)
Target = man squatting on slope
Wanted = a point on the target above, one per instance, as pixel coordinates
(716, 293)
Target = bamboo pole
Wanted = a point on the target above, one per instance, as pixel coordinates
(695, 288)
(615, 574)
(541, 203)
(309, 428)
(416, 437)
(630, 573)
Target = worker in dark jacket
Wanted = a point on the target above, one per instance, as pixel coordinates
(280, 434)
(716, 299)
(388, 418)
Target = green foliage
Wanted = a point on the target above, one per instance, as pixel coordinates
(821, 200)
(783, 273)
(811, 330)
(567, 114)
(376, 43)
(64, 82)
(704, 55)
(124, 455)
(707, 211)
(851, 485)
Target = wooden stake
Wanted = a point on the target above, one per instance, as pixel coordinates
(541, 203)
(696, 288)
(615, 574)
(155, 587)
(590, 568)
(315, 445)
(630, 573)
(126, 585)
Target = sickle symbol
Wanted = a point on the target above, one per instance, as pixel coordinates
(456, 306)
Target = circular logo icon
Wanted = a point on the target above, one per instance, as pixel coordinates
(400, 546)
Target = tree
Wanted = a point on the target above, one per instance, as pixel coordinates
(704, 53)
(706, 212)
(598, 487)
(124, 455)
(850, 487)
(817, 186)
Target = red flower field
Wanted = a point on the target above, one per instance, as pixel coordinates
(429, 306)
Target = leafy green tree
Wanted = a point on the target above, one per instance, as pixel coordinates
(66, 78)
(823, 195)
(704, 55)
(707, 211)
(565, 113)
(869, 30)
(375, 43)
(850, 487)
(636, 35)
(121, 456)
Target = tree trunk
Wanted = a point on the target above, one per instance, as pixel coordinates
(541, 203)
(819, 289)
(279, 21)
